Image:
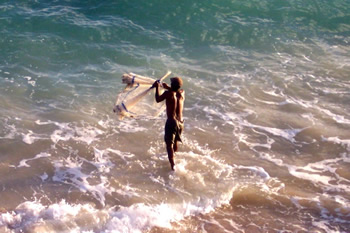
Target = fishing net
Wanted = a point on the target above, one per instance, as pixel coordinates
(137, 99)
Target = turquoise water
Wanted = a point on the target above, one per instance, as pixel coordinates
(266, 145)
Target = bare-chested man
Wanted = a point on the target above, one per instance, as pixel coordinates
(174, 98)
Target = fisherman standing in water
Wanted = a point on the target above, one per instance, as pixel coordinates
(174, 98)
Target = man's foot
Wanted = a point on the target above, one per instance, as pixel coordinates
(172, 167)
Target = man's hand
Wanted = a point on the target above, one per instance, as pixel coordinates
(156, 84)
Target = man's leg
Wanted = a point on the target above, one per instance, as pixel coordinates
(178, 135)
(170, 150)
(175, 146)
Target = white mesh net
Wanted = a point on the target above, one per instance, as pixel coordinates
(137, 99)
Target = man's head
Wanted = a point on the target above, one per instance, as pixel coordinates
(176, 83)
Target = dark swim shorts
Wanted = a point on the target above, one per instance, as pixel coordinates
(173, 131)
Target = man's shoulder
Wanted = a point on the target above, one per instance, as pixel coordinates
(181, 93)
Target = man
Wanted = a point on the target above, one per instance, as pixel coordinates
(174, 98)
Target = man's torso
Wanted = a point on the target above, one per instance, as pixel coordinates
(174, 104)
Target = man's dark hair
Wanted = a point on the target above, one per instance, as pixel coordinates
(176, 83)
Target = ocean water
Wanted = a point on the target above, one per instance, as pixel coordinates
(266, 146)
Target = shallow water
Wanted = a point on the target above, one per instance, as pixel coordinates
(266, 146)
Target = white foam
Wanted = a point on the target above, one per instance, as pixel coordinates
(70, 131)
(257, 170)
(344, 142)
(70, 172)
(44, 176)
(121, 154)
(206, 177)
(267, 102)
(321, 173)
(300, 102)
(135, 218)
(31, 137)
(103, 123)
(195, 146)
(338, 118)
(163, 214)
(306, 174)
(244, 139)
(30, 81)
(87, 134)
(33, 216)
(138, 217)
(101, 161)
(238, 120)
(323, 224)
(39, 122)
(63, 134)
(287, 134)
(210, 183)
(273, 93)
(313, 105)
(310, 117)
(23, 163)
(128, 191)
(271, 158)
(12, 132)
(130, 126)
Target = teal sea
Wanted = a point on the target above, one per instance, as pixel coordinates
(266, 144)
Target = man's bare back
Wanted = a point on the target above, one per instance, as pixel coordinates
(174, 104)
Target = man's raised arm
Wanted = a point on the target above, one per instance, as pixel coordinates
(159, 98)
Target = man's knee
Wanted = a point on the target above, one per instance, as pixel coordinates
(169, 145)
